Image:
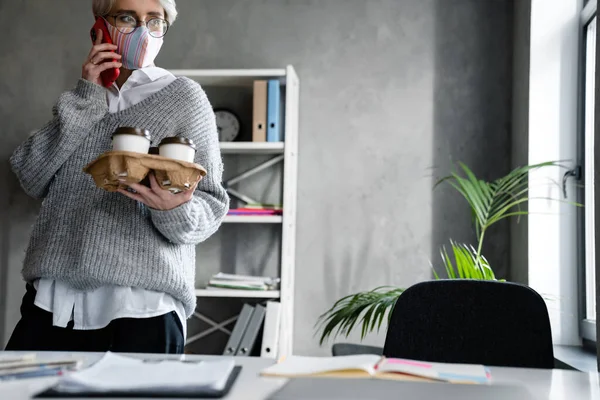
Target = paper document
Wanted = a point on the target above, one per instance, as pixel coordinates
(115, 373)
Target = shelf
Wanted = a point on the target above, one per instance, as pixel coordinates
(230, 77)
(234, 88)
(253, 219)
(251, 148)
(259, 294)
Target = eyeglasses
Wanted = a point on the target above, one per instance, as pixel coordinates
(126, 23)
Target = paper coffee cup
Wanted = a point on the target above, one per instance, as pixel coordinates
(177, 148)
(136, 140)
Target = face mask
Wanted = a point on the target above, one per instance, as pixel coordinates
(138, 49)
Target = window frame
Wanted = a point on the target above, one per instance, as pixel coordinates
(587, 327)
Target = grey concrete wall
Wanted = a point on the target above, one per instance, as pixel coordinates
(472, 79)
(391, 91)
(520, 132)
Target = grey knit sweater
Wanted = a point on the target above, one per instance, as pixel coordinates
(88, 237)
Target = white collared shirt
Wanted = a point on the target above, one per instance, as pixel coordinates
(140, 85)
(96, 309)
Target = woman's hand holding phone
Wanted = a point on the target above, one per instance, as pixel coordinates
(94, 63)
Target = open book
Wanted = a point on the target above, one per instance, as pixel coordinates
(373, 366)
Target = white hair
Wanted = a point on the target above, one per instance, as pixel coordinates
(103, 7)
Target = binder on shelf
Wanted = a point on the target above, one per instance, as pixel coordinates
(273, 111)
(238, 330)
(250, 337)
(270, 339)
(259, 111)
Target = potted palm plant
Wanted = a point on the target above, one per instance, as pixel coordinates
(490, 202)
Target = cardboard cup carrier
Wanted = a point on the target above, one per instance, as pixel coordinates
(132, 159)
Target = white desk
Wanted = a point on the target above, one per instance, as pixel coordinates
(541, 384)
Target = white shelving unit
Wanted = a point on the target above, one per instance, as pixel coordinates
(286, 152)
(253, 219)
(247, 294)
(252, 148)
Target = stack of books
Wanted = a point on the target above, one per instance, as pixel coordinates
(257, 209)
(29, 366)
(242, 282)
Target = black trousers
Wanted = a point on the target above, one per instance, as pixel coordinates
(35, 332)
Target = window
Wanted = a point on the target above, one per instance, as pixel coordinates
(588, 317)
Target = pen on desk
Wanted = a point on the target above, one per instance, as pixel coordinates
(33, 374)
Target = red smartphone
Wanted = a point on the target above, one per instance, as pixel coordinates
(110, 75)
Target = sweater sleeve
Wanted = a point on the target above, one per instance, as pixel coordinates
(195, 221)
(38, 159)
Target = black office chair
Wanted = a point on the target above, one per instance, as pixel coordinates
(351, 349)
(473, 322)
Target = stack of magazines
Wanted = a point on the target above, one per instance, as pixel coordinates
(257, 209)
(19, 366)
(242, 282)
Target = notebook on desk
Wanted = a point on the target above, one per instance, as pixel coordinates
(118, 376)
(378, 367)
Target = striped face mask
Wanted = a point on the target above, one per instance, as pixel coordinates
(138, 49)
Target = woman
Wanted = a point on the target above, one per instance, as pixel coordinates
(115, 271)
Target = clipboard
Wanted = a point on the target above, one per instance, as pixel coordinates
(204, 394)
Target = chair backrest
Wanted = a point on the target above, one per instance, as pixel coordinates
(351, 349)
(471, 321)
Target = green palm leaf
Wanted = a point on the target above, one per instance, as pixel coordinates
(492, 201)
(465, 263)
(489, 200)
(346, 312)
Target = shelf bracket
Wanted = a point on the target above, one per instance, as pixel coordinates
(215, 326)
(247, 174)
(218, 325)
(253, 171)
(241, 196)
